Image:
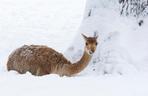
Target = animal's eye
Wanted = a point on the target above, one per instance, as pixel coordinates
(96, 43)
(86, 43)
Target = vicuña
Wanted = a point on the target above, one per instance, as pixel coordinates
(42, 60)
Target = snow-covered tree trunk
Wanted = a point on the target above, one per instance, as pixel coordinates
(119, 42)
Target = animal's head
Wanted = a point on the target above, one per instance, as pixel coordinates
(90, 44)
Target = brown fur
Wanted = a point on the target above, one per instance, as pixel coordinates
(42, 60)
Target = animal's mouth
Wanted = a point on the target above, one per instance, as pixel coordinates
(91, 52)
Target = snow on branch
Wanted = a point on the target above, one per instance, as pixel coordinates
(136, 8)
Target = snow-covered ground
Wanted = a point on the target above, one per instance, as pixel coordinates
(27, 85)
(54, 23)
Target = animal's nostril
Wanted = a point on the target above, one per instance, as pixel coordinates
(92, 51)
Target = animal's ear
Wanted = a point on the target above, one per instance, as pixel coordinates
(96, 35)
(85, 37)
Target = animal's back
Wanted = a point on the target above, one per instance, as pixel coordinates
(39, 60)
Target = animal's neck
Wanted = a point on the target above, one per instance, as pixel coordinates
(77, 67)
(83, 62)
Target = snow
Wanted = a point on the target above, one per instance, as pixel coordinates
(38, 22)
(13, 84)
(55, 23)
